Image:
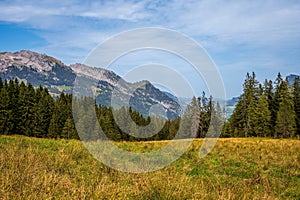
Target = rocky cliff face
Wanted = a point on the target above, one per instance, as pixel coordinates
(40, 69)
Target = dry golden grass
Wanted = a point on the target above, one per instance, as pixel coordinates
(251, 168)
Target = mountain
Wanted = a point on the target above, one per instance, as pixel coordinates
(40, 69)
(232, 102)
(37, 69)
(291, 78)
(230, 106)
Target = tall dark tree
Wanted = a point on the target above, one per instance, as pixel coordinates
(61, 112)
(277, 99)
(286, 117)
(262, 118)
(1, 83)
(243, 118)
(69, 130)
(296, 95)
(269, 93)
(26, 103)
(6, 123)
(13, 91)
(43, 110)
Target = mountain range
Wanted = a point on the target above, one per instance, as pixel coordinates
(40, 69)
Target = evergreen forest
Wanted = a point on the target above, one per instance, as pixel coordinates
(269, 109)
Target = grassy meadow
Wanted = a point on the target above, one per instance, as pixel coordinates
(252, 168)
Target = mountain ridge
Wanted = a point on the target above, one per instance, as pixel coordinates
(41, 69)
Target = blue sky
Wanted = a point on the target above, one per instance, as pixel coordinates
(240, 36)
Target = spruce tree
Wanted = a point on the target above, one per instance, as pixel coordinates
(26, 103)
(1, 83)
(269, 93)
(276, 101)
(69, 131)
(195, 117)
(6, 124)
(296, 95)
(13, 91)
(217, 121)
(263, 117)
(286, 117)
(285, 123)
(242, 121)
(43, 110)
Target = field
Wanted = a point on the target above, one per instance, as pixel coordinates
(252, 168)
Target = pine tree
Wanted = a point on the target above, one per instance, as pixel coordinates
(217, 121)
(13, 91)
(285, 123)
(296, 95)
(1, 83)
(6, 124)
(69, 131)
(276, 101)
(242, 121)
(54, 129)
(195, 117)
(26, 103)
(286, 117)
(61, 111)
(43, 110)
(269, 93)
(263, 117)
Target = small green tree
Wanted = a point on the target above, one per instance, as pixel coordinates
(69, 130)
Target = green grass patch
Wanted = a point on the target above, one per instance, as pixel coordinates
(252, 168)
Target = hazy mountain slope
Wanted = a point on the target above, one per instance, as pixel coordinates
(40, 69)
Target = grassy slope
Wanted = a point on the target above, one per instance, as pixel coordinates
(236, 169)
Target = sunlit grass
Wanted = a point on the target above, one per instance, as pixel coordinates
(252, 168)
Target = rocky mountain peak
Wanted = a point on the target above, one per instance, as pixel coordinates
(96, 73)
(40, 69)
(39, 62)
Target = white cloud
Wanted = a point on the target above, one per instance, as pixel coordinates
(15, 11)
(213, 22)
(228, 29)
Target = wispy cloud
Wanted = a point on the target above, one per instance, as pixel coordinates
(214, 22)
(16, 11)
(230, 30)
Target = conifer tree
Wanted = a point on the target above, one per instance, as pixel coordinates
(286, 117)
(269, 93)
(296, 94)
(26, 103)
(217, 121)
(6, 124)
(43, 110)
(69, 131)
(195, 117)
(263, 117)
(276, 101)
(1, 83)
(243, 118)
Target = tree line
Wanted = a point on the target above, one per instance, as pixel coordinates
(263, 110)
(30, 111)
(266, 110)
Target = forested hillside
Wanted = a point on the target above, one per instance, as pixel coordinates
(266, 110)
(33, 112)
(263, 110)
